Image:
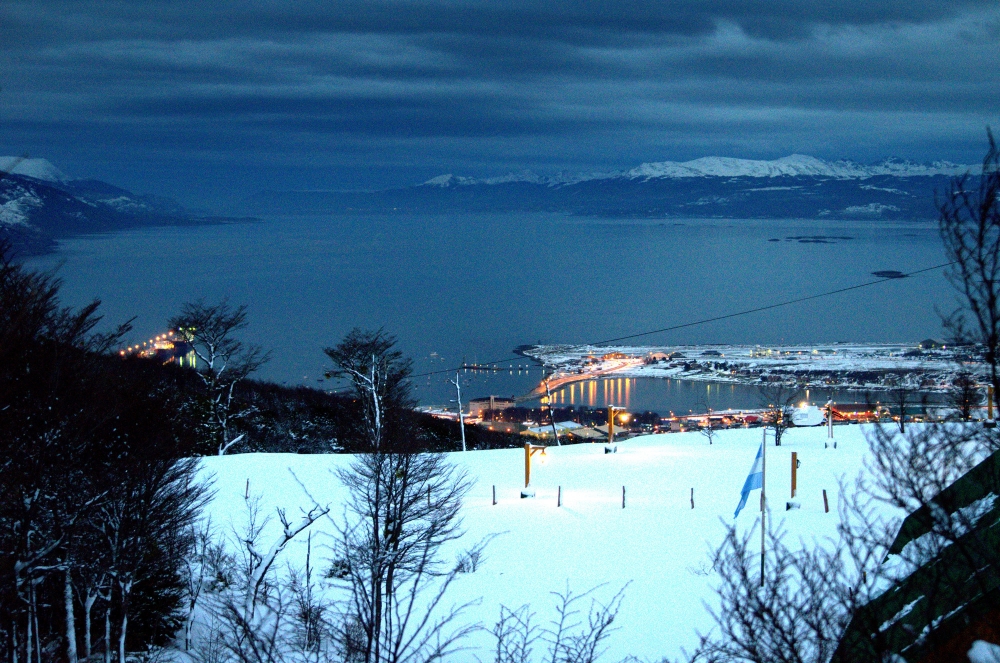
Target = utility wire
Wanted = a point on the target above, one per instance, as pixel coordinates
(715, 318)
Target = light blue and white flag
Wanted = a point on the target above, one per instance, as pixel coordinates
(754, 480)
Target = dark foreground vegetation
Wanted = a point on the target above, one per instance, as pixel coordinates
(99, 500)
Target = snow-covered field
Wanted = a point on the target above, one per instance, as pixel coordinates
(658, 543)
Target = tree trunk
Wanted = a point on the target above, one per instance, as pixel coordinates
(71, 655)
(87, 607)
(38, 633)
(107, 630)
(29, 640)
(126, 589)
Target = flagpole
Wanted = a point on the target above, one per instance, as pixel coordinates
(763, 500)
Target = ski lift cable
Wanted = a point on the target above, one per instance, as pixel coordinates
(717, 318)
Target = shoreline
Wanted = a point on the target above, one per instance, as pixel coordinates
(927, 367)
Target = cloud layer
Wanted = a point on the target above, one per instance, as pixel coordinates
(210, 101)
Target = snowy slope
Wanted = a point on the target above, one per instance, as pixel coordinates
(657, 543)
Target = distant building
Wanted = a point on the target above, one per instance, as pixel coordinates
(165, 348)
(563, 428)
(478, 406)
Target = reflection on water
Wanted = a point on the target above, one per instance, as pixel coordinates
(310, 280)
(667, 396)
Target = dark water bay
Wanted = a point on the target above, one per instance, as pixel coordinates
(473, 287)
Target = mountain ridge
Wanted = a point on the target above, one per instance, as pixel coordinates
(794, 165)
(796, 186)
(39, 204)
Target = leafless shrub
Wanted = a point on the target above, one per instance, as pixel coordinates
(571, 637)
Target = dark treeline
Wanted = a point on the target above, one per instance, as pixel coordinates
(306, 420)
(95, 499)
(99, 497)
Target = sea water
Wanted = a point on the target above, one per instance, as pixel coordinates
(469, 288)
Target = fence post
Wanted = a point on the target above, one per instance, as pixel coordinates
(795, 467)
(826, 503)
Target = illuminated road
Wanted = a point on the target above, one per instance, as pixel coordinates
(558, 380)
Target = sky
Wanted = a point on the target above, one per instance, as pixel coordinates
(211, 101)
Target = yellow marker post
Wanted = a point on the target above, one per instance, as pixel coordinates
(795, 467)
(611, 424)
(529, 451)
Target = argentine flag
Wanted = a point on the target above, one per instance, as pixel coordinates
(754, 480)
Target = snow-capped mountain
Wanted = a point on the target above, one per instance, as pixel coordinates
(40, 169)
(39, 204)
(795, 165)
(796, 186)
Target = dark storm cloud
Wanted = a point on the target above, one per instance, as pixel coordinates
(327, 93)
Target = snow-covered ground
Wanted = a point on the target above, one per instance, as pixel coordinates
(658, 543)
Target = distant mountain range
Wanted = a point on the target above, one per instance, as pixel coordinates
(40, 204)
(796, 186)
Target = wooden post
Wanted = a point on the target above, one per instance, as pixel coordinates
(246, 495)
(763, 501)
(692, 498)
(461, 420)
(826, 503)
(795, 467)
(623, 497)
(494, 495)
(552, 415)
(559, 498)
(989, 395)
(611, 424)
(527, 464)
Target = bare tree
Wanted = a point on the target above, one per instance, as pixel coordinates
(965, 395)
(403, 507)
(223, 362)
(797, 617)
(707, 431)
(254, 611)
(204, 558)
(313, 633)
(890, 586)
(154, 503)
(969, 222)
(572, 636)
(778, 398)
